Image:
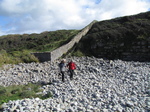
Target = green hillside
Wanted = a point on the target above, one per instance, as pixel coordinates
(113, 38)
(45, 41)
(17, 48)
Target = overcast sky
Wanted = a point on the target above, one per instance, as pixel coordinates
(36, 16)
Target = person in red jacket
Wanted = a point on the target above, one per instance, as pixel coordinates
(72, 66)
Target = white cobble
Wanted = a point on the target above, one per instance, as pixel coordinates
(98, 86)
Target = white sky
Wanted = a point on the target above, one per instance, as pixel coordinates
(36, 16)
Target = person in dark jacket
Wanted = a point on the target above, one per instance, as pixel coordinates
(71, 66)
(62, 67)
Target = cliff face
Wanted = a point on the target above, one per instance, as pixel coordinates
(126, 38)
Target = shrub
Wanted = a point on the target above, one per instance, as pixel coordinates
(16, 57)
(78, 53)
(5, 58)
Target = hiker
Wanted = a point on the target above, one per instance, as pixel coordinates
(72, 66)
(62, 67)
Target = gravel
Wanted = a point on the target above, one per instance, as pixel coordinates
(98, 86)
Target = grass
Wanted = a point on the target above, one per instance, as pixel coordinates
(16, 49)
(78, 53)
(16, 57)
(16, 92)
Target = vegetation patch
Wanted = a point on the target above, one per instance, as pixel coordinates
(16, 49)
(112, 38)
(16, 92)
(16, 57)
(77, 53)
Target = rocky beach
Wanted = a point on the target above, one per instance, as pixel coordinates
(98, 86)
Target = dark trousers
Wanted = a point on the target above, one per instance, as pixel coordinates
(71, 74)
(62, 73)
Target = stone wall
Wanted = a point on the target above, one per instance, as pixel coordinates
(139, 51)
(136, 51)
(51, 56)
(63, 49)
(45, 56)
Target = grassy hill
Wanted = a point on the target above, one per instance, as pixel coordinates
(46, 41)
(113, 38)
(17, 48)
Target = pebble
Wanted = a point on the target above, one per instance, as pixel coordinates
(98, 86)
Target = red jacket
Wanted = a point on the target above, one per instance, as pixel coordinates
(71, 66)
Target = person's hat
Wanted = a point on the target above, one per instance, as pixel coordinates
(64, 60)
